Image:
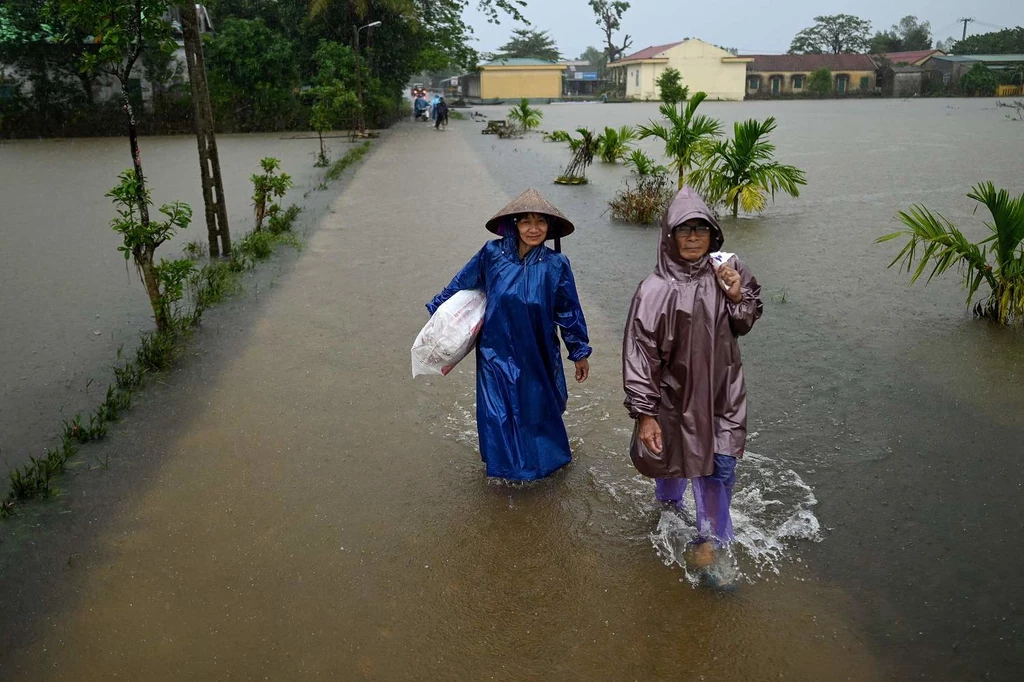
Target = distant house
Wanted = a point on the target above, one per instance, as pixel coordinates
(581, 79)
(916, 58)
(704, 67)
(951, 68)
(516, 78)
(775, 75)
(902, 81)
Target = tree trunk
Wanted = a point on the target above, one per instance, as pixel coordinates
(209, 160)
(144, 259)
(736, 206)
(133, 142)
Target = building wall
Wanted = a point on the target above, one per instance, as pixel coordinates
(703, 70)
(764, 88)
(514, 83)
(701, 67)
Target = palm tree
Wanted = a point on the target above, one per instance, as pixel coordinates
(742, 172)
(613, 144)
(688, 135)
(527, 117)
(947, 247)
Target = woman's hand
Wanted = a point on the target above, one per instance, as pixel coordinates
(732, 281)
(650, 433)
(582, 370)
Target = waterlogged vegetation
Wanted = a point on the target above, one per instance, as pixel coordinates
(997, 261)
(180, 292)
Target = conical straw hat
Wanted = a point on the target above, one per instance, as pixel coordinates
(531, 201)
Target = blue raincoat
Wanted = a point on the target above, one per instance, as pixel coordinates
(520, 385)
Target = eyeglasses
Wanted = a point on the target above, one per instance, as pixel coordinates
(687, 230)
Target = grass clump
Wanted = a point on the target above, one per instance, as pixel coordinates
(342, 164)
(643, 202)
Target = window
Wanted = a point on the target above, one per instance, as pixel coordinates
(798, 82)
(865, 83)
(754, 83)
(637, 74)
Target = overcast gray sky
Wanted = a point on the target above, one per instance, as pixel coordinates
(751, 26)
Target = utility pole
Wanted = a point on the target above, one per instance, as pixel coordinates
(965, 21)
(359, 77)
(209, 160)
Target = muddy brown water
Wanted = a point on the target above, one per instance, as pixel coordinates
(263, 545)
(67, 298)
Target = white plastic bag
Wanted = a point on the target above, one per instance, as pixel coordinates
(718, 259)
(450, 333)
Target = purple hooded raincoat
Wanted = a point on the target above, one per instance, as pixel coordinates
(680, 355)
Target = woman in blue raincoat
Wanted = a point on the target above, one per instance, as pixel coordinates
(520, 385)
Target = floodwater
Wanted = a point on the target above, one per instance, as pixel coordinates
(348, 534)
(68, 301)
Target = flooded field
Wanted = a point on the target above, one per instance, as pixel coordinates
(304, 509)
(68, 299)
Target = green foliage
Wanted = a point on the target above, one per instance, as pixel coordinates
(742, 172)
(352, 157)
(258, 245)
(282, 221)
(557, 136)
(253, 73)
(137, 236)
(173, 276)
(980, 81)
(907, 36)
(997, 260)
(1007, 41)
(583, 149)
(643, 165)
(820, 83)
(527, 43)
(833, 34)
(121, 30)
(614, 144)
(670, 86)
(597, 59)
(688, 135)
(268, 186)
(643, 202)
(525, 116)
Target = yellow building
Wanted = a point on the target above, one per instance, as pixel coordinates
(703, 66)
(517, 78)
(773, 75)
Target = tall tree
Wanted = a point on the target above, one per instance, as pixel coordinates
(597, 59)
(907, 36)
(1007, 41)
(609, 18)
(530, 44)
(833, 34)
(122, 29)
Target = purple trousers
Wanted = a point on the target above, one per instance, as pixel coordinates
(712, 495)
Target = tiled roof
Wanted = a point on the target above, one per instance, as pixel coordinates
(809, 62)
(519, 61)
(648, 53)
(910, 57)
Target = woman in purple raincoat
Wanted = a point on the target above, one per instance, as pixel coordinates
(682, 372)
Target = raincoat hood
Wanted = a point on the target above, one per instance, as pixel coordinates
(530, 201)
(687, 204)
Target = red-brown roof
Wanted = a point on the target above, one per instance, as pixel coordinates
(648, 53)
(809, 62)
(910, 57)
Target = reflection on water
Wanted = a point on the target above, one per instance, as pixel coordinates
(773, 508)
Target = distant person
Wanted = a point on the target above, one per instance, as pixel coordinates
(682, 372)
(433, 107)
(441, 114)
(419, 107)
(520, 385)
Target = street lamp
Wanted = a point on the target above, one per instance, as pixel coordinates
(359, 75)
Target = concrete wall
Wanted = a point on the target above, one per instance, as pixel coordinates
(701, 67)
(764, 88)
(505, 82)
(703, 70)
